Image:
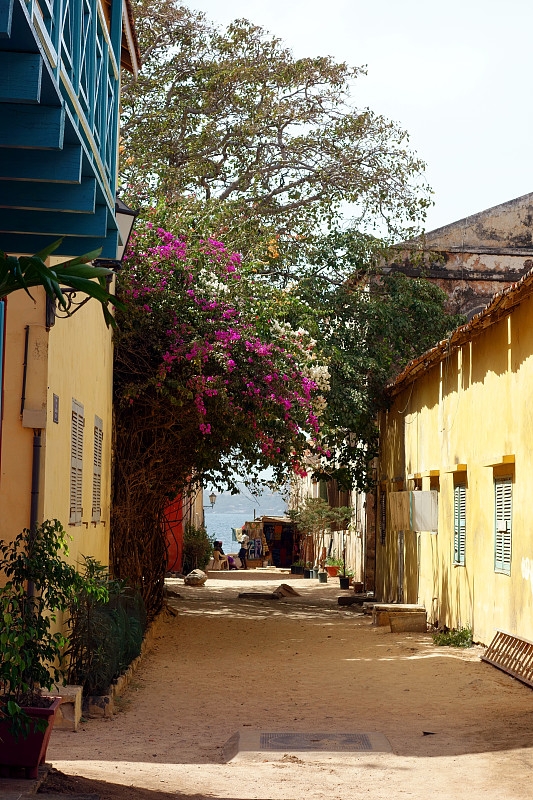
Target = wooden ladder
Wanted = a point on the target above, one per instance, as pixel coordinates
(512, 655)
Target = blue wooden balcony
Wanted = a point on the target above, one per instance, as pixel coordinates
(59, 102)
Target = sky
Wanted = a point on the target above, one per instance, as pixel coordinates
(456, 75)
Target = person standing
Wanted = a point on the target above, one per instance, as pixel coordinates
(243, 552)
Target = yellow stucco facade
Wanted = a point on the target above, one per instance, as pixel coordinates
(464, 418)
(72, 360)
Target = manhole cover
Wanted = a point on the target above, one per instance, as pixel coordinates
(315, 741)
(254, 745)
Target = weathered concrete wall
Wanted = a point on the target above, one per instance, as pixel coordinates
(475, 257)
(508, 225)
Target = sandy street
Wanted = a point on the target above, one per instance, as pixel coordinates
(457, 727)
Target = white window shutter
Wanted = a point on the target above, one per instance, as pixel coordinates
(96, 513)
(76, 463)
(503, 500)
(459, 524)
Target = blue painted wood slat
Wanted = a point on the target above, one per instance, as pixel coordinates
(39, 127)
(52, 166)
(27, 244)
(6, 18)
(20, 77)
(54, 223)
(49, 196)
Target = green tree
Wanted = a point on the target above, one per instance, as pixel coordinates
(231, 114)
(206, 386)
(369, 327)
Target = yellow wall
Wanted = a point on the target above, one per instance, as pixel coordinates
(72, 360)
(473, 408)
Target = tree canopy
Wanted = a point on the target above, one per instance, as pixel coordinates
(232, 114)
(207, 386)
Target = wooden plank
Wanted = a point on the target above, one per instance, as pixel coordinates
(28, 244)
(54, 223)
(52, 166)
(20, 77)
(512, 655)
(79, 198)
(38, 127)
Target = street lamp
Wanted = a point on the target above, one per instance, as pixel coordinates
(125, 217)
(212, 499)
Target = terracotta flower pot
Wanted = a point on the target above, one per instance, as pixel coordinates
(28, 753)
(332, 571)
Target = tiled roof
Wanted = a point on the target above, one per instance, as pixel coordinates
(499, 307)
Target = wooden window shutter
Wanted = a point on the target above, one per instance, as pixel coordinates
(76, 463)
(96, 512)
(459, 524)
(503, 502)
(383, 517)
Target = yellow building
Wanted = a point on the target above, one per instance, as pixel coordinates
(456, 456)
(56, 423)
(58, 178)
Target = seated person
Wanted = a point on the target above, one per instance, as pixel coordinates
(221, 558)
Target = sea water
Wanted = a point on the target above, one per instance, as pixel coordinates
(219, 527)
(232, 511)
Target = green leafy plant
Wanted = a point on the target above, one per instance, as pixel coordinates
(457, 637)
(106, 630)
(197, 548)
(25, 272)
(39, 585)
(333, 561)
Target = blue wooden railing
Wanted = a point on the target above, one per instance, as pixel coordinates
(59, 87)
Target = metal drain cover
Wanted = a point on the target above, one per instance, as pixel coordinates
(250, 744)
(314, 741)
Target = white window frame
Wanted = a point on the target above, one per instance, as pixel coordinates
(96, 511)
(76, 463)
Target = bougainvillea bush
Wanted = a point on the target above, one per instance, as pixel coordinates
(206, 387)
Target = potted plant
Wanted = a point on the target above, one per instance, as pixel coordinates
(333, 565)
(39, 584)
(308, 570)
(298, 567)
(344, 581)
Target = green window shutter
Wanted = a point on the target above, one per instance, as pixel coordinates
(503, 502)
(76, 463)
(459, 524)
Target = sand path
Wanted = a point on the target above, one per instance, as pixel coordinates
(303, 665)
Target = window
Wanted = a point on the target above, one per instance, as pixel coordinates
(76, 463)
(97, 470)
(459, 523)
(383, 517)
(503, 497)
